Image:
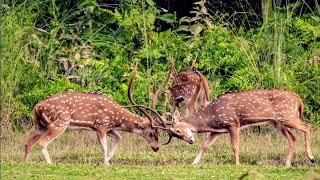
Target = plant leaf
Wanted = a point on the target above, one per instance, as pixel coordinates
(168, 17)
(150, 2)
(182, 28)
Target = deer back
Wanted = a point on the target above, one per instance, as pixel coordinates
(247, 107)
(86, 110)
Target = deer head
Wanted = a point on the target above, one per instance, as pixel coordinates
(149, 133)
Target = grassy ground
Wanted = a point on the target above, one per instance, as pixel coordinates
(76, 154)
(67, 171)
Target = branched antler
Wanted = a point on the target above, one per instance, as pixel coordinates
(158, 91)
(142, 108)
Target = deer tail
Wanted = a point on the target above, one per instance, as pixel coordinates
(300, 109)
(40, 125)
(205, 84)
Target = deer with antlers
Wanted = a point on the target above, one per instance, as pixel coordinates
(231, 112)
(188, 88)
(96, 112)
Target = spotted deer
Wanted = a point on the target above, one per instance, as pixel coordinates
(188, 88)
(231, 112)
(96, 112)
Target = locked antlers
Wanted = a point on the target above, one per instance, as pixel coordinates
(142, 108)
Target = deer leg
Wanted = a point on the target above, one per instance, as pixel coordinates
(191, 103)
(297, 124)
(202, 98)
(117, 139)
(291, 140)
(307, 139)
(102, 137)
(47, 137)
(211, 139)
(292, 146)
(30, 144)
(234, 135)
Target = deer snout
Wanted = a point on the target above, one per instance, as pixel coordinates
(155, 148)
(191, 140)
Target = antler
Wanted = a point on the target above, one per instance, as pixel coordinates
(141, 107)
(156, 93)
(172, 66)
(169, 140)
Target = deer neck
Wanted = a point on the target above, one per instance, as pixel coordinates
(197, 122)
(128, 122)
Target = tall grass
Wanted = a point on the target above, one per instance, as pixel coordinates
(15, 29)
(277, 58)
(23, 76)
(267, 148)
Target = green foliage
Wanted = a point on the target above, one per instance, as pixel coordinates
(53, 46)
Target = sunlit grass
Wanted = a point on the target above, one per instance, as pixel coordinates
(84, 171)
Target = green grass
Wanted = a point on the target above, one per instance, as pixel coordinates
(115, 171)
(77, 155)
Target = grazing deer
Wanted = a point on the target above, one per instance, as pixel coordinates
(231, 112)
(96, 112)
(188, 87)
